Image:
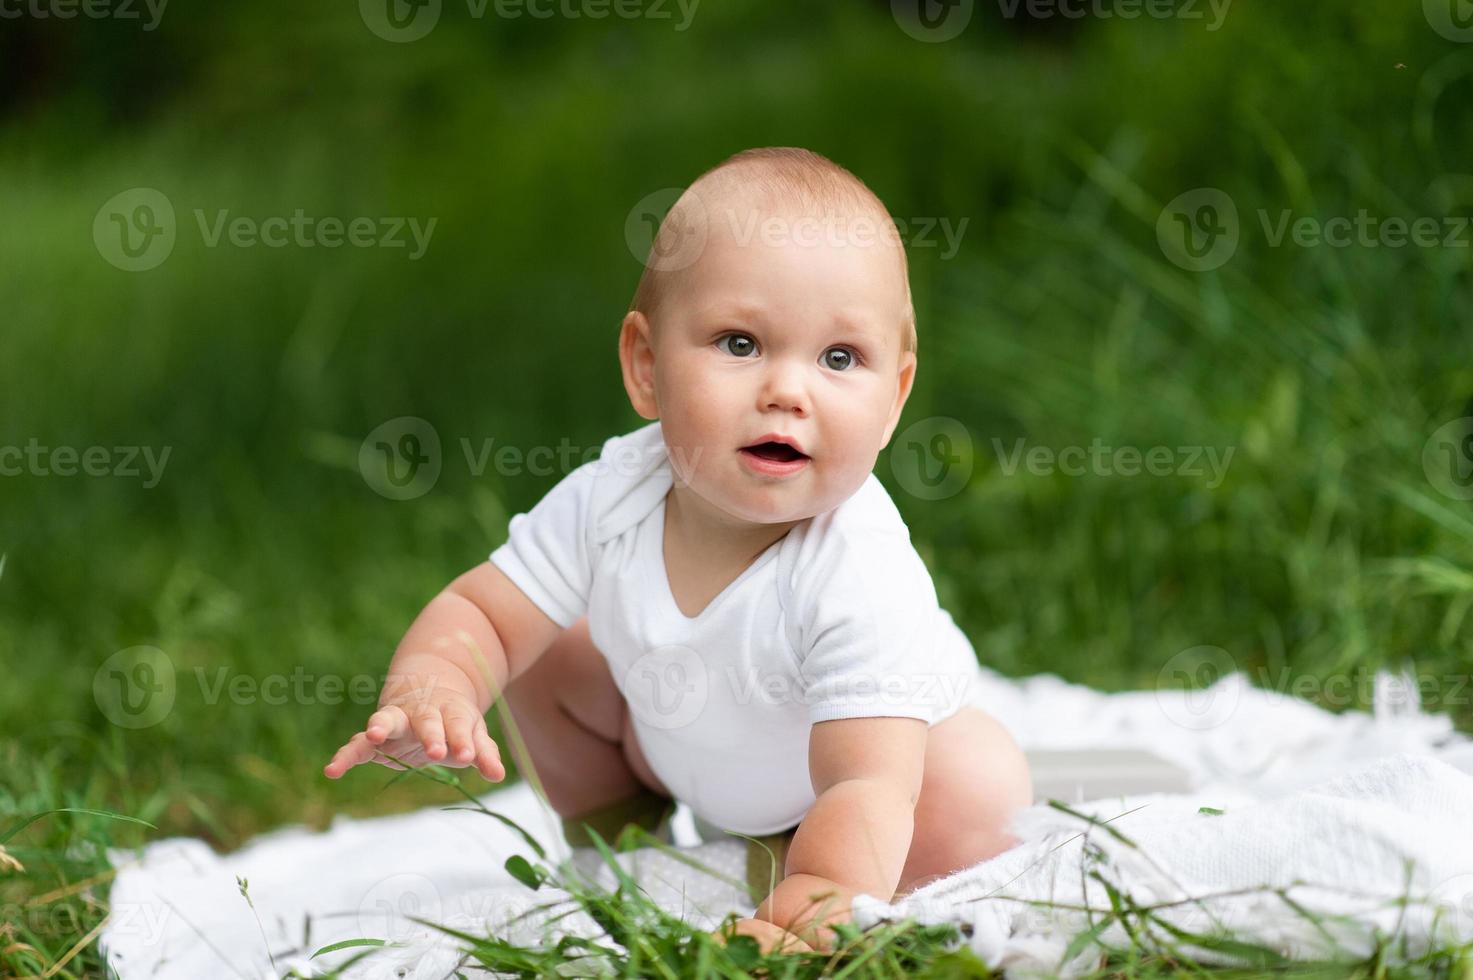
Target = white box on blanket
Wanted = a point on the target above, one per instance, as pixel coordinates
(1076, 775)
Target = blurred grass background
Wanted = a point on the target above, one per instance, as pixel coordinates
(263, 551)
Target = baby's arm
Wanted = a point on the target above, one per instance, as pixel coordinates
(857, 835)
(462, 650)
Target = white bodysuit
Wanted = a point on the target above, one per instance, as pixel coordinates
(837, 619)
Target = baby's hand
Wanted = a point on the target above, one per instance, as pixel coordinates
(417, 733)
(770, 938)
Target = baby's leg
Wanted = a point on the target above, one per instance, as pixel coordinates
(576, 727)
(976, 779)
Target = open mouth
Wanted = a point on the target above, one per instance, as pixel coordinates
(776, 452)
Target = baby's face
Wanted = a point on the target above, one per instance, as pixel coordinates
(788, 334)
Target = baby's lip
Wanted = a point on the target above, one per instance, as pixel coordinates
(777, 437)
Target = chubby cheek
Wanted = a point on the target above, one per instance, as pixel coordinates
(853, 452)
(697, 428)
(853, 418)
(844, 477)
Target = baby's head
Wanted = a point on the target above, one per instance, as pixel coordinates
(775, 301)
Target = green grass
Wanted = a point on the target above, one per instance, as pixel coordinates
(1325, 553)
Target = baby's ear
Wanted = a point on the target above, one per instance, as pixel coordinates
(904, 382)
(637, 359)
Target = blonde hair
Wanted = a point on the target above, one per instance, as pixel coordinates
(781, 176)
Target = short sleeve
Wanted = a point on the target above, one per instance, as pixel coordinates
(547, 553)
(869, 632)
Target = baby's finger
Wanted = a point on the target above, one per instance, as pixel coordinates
(387, 723)
(430, 730)
(358, 750)
(459, 724)
(488, 754)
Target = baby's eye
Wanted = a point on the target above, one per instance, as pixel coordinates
(839, 358)
(737, 344)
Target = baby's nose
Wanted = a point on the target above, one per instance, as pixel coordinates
(784, 390)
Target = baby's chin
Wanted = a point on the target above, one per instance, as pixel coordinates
(777, 504)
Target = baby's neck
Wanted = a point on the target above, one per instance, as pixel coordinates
(695, 527)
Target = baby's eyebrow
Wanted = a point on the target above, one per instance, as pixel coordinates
(862, 325)
(850, 321)
(744, 312)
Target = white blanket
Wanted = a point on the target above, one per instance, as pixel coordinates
(1340, 803)
(1343, 853)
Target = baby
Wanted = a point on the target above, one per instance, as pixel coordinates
(725, 607)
